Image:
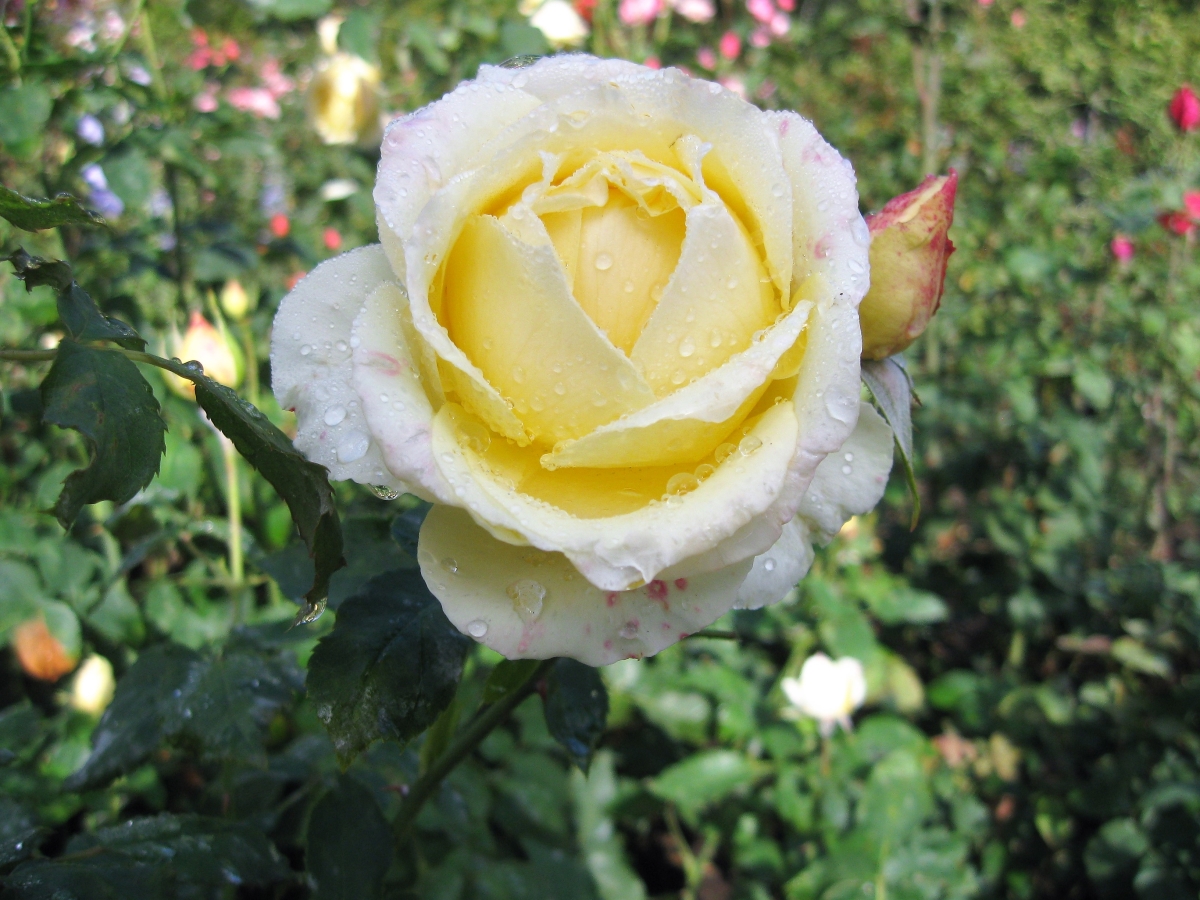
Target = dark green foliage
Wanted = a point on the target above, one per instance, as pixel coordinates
(166, 856)
(35, 215)
(576, 708)
(104, 397)
(506, 677)
(349, 847)
(389, 667)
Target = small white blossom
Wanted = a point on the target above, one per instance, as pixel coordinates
(827, 691)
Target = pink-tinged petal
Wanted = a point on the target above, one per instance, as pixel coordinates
(776, 571)
(530, 604)
(910, 247)
(311, 368)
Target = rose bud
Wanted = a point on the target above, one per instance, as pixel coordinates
(92, 688)
(561, 25)
(1185, 109)
(235, 302)
(43, 654)
(213, 349)
(827, 691)
(611, 333)
(909, 250)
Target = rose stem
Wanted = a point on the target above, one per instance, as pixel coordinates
(462, 744)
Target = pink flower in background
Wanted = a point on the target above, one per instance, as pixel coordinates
(779, 24)
(1122, 248)
(206, 100)
(275, 81)
(760, 37)
(1191, 203)
(1185, 109)
(786, 5)
(1177, 223)
(332, 239)
(734, 84)
(640, 12)
(257, 100)
(730, 46)
(762, 10)
(706, 58)
(1018, 18)
(985, 3)
(652, 62)
(699, 11)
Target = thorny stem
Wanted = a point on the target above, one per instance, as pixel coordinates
(171, 365)
(462, 744)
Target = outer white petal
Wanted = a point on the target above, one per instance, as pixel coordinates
(395, 405)
(311, 370)
(471, 573)
(777, 571)
(851, 480)
(622, 550)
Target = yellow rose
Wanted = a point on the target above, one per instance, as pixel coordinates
(612, 333)
(212, 348)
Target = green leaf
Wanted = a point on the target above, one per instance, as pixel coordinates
(349, 844)
(904, 604)
(576, 708)
(291, 10)
(19, 833)
(704, 778)
(891, 388)
(389, 667)
(78, 311)
(164, 856)
(24, 112)
(134, 724)
(103, 396)
(303, 485)
(508, 675)
(32, 214)
(599, 840)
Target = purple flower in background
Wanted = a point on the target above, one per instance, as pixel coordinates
(90, 130)
(105, 201)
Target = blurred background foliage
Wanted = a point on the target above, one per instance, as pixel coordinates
(1031, 650)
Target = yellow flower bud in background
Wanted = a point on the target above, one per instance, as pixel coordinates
(235, 301)
(212, 348)
(92, 689)
(343, 101)
(558, 21)
(909, 250)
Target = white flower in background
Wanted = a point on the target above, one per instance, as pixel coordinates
(699, 11)
(827, 691)
(560, 23)
(612, 333)
(92, 688)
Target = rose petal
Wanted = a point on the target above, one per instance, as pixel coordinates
(507, 306)
(395, 405)
(493, 592)
(776, 571)
(617, 551)
(311, 370)
(850, 481)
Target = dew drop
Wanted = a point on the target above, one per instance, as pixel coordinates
(353, 447)
(384, 398)
(518, 375)
(604, 261)
(560, 388)
(861, 233)
(629, 287)
(528, 597)
(714, 339)
(341, 345)
(629, 629)
(383, 492)
(474, 436)
(723, 452)
(678, 377)
(355, 341)
(778, 190)
(477, 628)
(450, 564)
(769, 564)
(749, 444)
(682, 483)
(849, 457)
(704, 471)
(334, 415)
(847, 470)
(687, 347)
(856, 267)
(731, 283)
(305, 349)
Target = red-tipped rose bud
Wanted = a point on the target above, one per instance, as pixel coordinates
(40, 652)
(1185, 109)
(909, 250)
(213, 349)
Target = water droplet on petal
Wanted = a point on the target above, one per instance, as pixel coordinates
(731, 283)
(687, 347)
(560, 389)
(678, 377)
(527, 598)
(353, 447)
(477, 628)
(518, 374)
(704, 471)
(723, 452)
(383, 492)
(334, 415)
(749, 444)
(604, 261)
(849, 457)
(450, 564)
(846, 470)
(305, 349)
(714, 339)
(769, 564)
(682, 483)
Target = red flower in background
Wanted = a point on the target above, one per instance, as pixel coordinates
(1191, 204)
(586, 9)
(280, 226)
(1185, 109)
(1177, 222)
(331, 238)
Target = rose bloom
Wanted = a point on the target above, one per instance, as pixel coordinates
(827, 691)
(612, 334)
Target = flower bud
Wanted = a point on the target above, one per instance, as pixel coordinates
(344, 100)
(827, 691)
(92, 689)
(559, 22)
(235, 302)
(212, 348)
(41, 654)
(909, 250)
(1185, 109)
